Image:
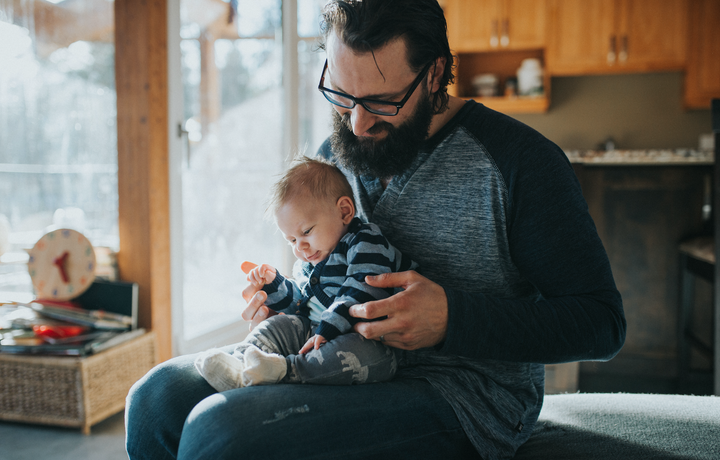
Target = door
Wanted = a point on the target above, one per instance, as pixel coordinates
(246, 75)
(473, 25)
(702, 80)
(607, 36)
(524, 23)
(582, 36)
(491, 25)
(652, 35)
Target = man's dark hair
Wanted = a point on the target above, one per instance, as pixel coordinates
(368, 25)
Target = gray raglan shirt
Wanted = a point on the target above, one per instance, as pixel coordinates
(492, 211)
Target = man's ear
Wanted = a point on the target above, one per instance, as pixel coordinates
(347, 209)
(436, 71)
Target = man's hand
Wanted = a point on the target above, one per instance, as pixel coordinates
(256, 311)
(315, 342)
(416, 317)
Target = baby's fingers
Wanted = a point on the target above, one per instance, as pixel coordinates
(309, 345)
(319, 341)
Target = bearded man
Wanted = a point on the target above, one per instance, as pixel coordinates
(512, 272)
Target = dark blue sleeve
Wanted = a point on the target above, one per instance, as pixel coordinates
(281, 293)
(555, 245)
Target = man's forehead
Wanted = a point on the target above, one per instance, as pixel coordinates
(387, 62)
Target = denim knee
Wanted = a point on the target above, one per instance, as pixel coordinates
(157, 406)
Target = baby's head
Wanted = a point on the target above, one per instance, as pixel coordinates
(313, 206)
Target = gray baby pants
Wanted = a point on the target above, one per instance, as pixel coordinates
(348, 359)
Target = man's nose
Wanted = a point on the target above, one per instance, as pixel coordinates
(361, 120)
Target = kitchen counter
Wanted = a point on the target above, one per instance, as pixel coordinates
(640, 157)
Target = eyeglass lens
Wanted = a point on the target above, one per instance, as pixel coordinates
(380, 109)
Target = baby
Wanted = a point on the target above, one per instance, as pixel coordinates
(311, 341)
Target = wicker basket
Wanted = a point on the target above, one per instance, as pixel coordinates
(72, 392)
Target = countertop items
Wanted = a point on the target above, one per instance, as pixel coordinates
(640, 157)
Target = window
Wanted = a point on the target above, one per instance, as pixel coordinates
(58, 161)
(236, 107)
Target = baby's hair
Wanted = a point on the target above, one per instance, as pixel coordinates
(316, 176)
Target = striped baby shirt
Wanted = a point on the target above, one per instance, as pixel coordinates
(338, 282)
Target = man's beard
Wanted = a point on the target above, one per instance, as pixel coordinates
(387, 157)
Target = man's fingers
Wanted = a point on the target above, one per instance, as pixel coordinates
(250, 291)
(390, 280)
(262, 314)
(254, 305)
(374, 329)
(380, 332)
(371, 310)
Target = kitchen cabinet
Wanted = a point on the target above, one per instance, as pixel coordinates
(702, 78)
(494, 36)
(615, 36)
(490, 25)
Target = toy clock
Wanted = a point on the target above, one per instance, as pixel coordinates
(62, 265)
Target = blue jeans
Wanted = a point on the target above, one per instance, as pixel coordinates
(172, 412)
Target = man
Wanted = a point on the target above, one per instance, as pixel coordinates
(513, 272)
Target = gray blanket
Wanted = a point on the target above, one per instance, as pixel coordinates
(625, 426)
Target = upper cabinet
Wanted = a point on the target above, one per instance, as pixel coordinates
(583, 37)
(494, 37)
(492, 25)
(613, 36)
(702, 79)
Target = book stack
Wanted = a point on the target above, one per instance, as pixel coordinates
(102, 317)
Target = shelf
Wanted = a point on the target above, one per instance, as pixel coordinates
(504, 64)
(518, 104)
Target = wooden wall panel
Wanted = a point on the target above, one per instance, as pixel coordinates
(143, 175)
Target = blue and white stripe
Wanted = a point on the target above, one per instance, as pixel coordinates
(338, 282)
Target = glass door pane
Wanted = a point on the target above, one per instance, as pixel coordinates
(233, 94)
(315, 121)
(236, 94)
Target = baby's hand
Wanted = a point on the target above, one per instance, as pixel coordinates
(315, 342)
(262, 275)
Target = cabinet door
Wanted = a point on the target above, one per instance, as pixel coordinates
(473, 25)
(652, 35)
(702, 81)
(581, 36)
(523, 22)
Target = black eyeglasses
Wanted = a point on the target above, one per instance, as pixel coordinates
(384, 108)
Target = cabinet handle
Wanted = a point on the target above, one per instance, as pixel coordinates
(494, 36)
(505, 37)
(611, 51)
(623, 54)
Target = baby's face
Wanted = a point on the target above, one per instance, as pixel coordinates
(312, 227)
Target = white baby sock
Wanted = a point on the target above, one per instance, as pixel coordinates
(222, 371)
(262, 368)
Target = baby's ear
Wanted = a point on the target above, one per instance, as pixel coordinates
(347, 208)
